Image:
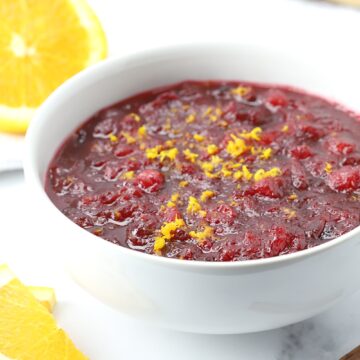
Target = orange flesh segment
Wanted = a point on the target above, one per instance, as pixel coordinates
(27, 329)
(41, 45)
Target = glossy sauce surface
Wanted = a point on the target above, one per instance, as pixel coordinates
(214, 171)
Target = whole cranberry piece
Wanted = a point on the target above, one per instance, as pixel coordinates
(131, 165)
(268, 187)
(346, 179)
(181, 235)
(144, 226)
(277, 98)
(150, 180)
(187, 254)
(269, 137)
(341, 146)
(130, 192)
(188, 169)
(280, 240)
(251, 243)
(311, 132)
(109, 197)
(122, 150)
(222, 214)
(227, 254)
(123, 213)
(301, 152)
(351, 160)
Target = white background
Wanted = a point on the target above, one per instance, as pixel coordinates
(104, 334)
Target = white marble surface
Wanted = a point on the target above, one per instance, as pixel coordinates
(99, 331)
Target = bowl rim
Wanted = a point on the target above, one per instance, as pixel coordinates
(109, 64)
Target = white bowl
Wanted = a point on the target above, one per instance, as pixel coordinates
(185, 295)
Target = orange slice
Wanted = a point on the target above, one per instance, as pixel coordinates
(347, 2)
(45, 296)
(42, 43)
(27, 330)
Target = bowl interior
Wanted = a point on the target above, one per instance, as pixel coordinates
(115, 79)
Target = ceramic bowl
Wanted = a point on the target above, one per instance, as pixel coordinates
(192, 296)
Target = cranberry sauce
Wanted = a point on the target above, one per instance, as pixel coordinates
(214, 171)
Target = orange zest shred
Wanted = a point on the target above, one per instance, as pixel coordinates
(225, 172)
(240, 90)
(135, 116)
(208, 111)
(206, 194)
(194, 207)
(289, 212)
(266, 154)
(198, 137)
(128, 175)
(285, 128)
(202, 235)
(211, 175)
(167, 232)
(328, 168)
(246, 173)
(159, 243)
(173, 199)
(190, 156)
(168, 154)
(157, 152)
(142, 131)
(236, 146)
(183, 183)
(255, 150)
(113, 138)
(129, 139)
(216, 160)
(238, 175)
(207, 166)
(167, 125)
(154, 152)
(218, 111)
(212, 149)
(190, 119)
(262, 174)
(254, 134)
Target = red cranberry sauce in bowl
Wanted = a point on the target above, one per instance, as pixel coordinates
(213, 171)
